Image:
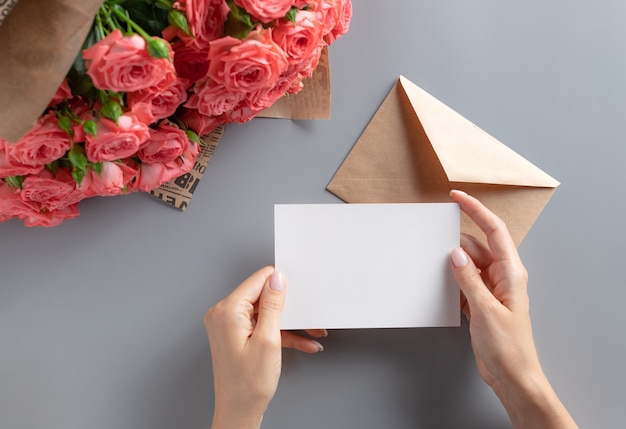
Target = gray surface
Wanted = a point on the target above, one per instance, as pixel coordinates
(101, 318)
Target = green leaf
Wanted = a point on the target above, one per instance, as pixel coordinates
(192, 136)
(77, 157)
(291, 15)
(117, 96)
(65, 123)
(53, 166)
(179, 20)
(111, 109)
(239, 23)
(97, 167)
(158, 48)
(163, 4)
(15, 182)
(149, 15)
(78, 161)
(90, 127)
(240, 14)
(78, 176)
(80, 83)
(115, 6)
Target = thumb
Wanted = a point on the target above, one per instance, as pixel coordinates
(468, 278)
(271, 306)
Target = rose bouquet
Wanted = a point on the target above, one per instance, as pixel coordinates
(152, 77)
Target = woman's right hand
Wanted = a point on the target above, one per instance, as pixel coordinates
(493, 282)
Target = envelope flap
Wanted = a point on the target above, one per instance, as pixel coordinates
(467, 153)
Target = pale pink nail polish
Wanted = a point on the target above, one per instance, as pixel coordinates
(277, 281)
(459, 257)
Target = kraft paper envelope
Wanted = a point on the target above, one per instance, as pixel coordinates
(416, 149)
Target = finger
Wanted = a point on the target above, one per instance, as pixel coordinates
(250, 289)
(468, 278)
(498, 237)
(465, 307)
(294, 341)
(317, 333)
(480, 254)
(271, 306)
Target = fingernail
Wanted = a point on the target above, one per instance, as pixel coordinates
(459, 257)
(319, 346)
(324, 333)
(277, 281)
(459, 191)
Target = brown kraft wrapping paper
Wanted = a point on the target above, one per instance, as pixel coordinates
(39, 40)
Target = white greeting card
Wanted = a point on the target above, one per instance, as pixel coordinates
(367, 265)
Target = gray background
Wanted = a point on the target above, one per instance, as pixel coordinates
(101, 318)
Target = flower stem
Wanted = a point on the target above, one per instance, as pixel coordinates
(102, 32)
(121, 15)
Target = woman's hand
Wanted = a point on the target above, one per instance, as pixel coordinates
(493, 282)
(245, 338)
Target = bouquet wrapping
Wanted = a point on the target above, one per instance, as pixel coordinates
(151, 79)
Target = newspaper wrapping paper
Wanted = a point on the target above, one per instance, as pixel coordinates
(178, 191)
(5, 8)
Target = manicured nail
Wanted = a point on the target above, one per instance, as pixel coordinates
(277, 281)
(319, 346)
(459, 191)
(459, 257)
(324, 333)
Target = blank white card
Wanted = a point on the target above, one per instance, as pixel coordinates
(367, 265)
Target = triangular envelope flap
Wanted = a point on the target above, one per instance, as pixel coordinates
(392, 161)
(467, 153)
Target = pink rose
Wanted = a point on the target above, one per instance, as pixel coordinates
(191, 63)
(161, 102)
(50, 191)
(206, 20)
(143, 112)
(63, 93)
(212, 99)
(44, 143)
(165, 144)
(242, 113)
(337, 20)
(299, 41)
(201, 124)
(296, 86)
(246, 65)
(11, 205)
(151, 176)
(307, 66)
(265, 10)
(303, 3)
(49, 218)
(265, 98)
(123, 64)
(114, 179)
(116, 141)
(9, 167)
